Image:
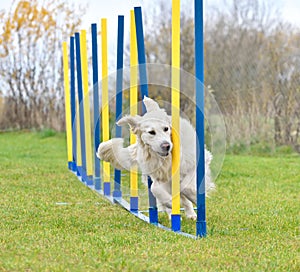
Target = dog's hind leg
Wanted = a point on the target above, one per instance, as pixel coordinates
(162, 194)
(188, 208)
(188, 187)
(164, 197)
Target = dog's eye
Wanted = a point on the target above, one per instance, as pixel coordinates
(152, 132)
(166, 129)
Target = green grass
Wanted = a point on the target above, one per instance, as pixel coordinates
(253, 217)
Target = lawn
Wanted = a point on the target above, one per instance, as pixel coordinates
(51, 222)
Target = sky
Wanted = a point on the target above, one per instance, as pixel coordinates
(112, 8)
(290, 9)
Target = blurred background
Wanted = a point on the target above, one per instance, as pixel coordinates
(252, 61)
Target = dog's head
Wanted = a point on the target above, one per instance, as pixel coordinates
(153, 128)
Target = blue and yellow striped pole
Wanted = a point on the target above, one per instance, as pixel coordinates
(67, 105)
(134, 206)
(86, 108)
(175, 217)
(105, 105)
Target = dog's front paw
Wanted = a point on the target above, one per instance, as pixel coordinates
(191, 215)
(106, 150)
(103, 149)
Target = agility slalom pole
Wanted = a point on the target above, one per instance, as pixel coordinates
(199, 86)
(97, 180)
(153, 214)
(81, 107)
(175, 217)
(78, 141)
(67, 105)
(119, 97)
(141, 53)
(134, 206)
(76, 122)
(105, 105)
(86, 108)
(73, 102)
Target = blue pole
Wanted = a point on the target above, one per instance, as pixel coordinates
(199, 85)
(73, 106)
(97, 180)
(81, 112)
(141, 53)
(153, 214)
(119, 100)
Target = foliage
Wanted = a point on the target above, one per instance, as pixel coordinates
(31, 62)
(251, 66)
(50, 221)
(45, 133)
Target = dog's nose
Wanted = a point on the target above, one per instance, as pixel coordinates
(165, 146)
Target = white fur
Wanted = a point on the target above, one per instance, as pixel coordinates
(153, 159)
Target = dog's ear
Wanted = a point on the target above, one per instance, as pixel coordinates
(132, 121)
(150, 104)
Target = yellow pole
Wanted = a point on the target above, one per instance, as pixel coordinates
(176, 107)
(86, 104)
(78, 139)
(67, 102)
(133, 97)
(105, 100)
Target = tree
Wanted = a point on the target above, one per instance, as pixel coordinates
(257, 79)
(251, 64)
(31, 62)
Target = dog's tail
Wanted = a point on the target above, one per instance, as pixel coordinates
(112, 151)
(209, 184)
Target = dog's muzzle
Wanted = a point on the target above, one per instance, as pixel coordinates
(163, 154)
(165, 147)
